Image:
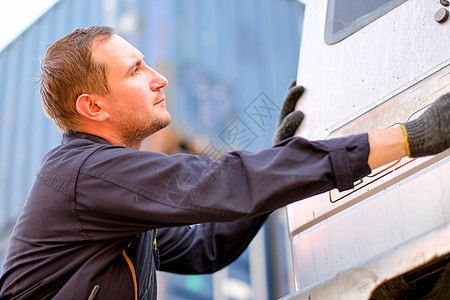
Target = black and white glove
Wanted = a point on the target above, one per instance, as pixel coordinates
(430, 133)
(289, 119)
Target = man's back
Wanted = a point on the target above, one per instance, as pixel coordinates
(49, 244)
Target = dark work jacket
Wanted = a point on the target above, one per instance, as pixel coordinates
(91, 217)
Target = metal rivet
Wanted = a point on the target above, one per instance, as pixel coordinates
(441, 15)
(445, 2)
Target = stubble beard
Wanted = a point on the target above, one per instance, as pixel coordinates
(135, 131)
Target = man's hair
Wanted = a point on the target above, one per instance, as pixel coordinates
(68, 70)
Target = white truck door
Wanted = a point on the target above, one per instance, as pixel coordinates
(366, 65)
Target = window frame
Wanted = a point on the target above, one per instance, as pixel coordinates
(332, 37)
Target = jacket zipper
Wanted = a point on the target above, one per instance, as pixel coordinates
(133, 272)
(156, 253)
(156, 250)
(94, 292)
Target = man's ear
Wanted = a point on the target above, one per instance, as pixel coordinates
(90, 106)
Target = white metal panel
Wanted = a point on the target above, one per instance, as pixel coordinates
(344, 240)
(346, 79)
(359, 282)
(378, 76)
(408, 104)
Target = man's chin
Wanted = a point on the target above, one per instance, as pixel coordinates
(162, 125)
(167, 123)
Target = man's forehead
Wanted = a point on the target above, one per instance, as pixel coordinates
(114, 46)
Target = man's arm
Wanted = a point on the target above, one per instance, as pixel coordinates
(207, 247)
(385, 146)
(429, 134)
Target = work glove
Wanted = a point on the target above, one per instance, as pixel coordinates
(289, 119)
(430, 133)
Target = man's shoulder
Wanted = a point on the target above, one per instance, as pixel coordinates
(76, 147)
(64, 161)
(70, 152)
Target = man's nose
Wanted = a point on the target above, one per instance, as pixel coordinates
(158, 81)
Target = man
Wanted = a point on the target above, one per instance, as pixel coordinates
(103, 216)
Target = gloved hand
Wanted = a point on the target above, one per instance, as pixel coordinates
(289, 119)
(430, 133)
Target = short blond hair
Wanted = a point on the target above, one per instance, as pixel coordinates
(68, 70)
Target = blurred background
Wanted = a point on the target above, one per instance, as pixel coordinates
(228, 63)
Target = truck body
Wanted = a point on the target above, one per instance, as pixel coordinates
(368, 65)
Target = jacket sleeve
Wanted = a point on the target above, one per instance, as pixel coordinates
(120, 191)
(207, 247)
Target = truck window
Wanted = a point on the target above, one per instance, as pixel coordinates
(345, 17)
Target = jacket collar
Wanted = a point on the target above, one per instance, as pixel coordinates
(67, 137)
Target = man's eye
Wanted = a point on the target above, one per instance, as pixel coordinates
(135, 71)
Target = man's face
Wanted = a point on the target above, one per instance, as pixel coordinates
(136, 104)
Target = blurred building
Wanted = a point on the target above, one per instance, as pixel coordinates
(228, 63)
